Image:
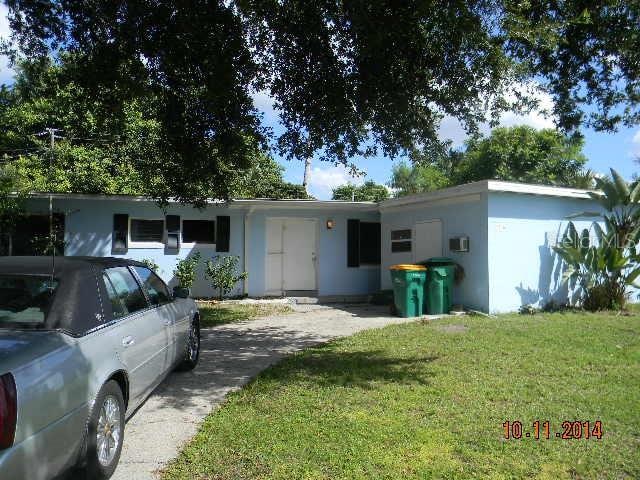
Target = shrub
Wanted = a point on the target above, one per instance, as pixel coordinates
(151, 264)
(605, 269)
(527, 310)
(223, 273)
(185, 270)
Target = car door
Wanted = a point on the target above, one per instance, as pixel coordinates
(135, 330)
(160, 299)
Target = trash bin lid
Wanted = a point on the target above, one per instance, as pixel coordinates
(439, 261)
(406, 266)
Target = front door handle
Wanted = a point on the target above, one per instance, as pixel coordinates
(128, 341)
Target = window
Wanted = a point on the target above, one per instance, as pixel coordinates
(146, 231)
(25, 299)
(369, 243)
(401, 240)
(117, 304)
(199, 231)
(126, 290)
(363, 243)
(155, 288)
(31, 236)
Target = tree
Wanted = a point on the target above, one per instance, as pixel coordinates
(347, 78)
(264, 179)
(123, 157)
(369, 191)
(417, 178)
(522, 154)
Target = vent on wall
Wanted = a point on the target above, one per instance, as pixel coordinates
(459, 244)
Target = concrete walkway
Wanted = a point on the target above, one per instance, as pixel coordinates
(230, 356)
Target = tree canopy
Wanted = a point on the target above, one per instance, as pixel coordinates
(416, 178)
(94, 157)
(347, 78)
(522, 154)
(519, 154)
(369, 191)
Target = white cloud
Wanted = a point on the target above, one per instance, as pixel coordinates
(6, 73)
(540, 117)
(322, 180)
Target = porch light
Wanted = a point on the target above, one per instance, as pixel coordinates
(330, 224)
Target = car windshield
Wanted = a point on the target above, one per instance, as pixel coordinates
(25, 300)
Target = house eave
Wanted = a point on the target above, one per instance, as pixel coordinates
(258, 203)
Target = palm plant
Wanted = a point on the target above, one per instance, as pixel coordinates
(605, 269)
(621, 201)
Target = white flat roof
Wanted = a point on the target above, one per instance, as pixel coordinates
(485, 186)
(255, 203)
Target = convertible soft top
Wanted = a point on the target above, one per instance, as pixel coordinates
(79, 303)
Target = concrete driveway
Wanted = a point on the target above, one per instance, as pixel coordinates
(230, 356)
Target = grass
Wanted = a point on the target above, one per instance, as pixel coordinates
(213, 314)
(429, 400)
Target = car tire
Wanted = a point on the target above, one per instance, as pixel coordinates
(106, 424)
(192, 350)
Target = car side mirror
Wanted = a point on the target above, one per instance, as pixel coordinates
(180, 292)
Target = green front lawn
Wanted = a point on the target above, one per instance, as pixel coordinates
(429, 400)
(213, 314)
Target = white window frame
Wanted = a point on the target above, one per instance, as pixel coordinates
(160, 244)
(195, 244)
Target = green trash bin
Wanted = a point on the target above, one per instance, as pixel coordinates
(408, 289)
(439, 286)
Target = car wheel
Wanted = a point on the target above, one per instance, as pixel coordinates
(105, 432)
(192, 351)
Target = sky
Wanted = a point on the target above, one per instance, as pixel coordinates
(604, 150)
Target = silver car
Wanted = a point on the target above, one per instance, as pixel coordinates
(83, 342)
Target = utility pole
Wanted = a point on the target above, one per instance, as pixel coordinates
(52, 237)
(307, 174)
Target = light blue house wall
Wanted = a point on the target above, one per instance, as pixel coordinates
(511, 229)
(463, 215)
(89, 228)
(523, 269)
(89, 225)
(334, 277)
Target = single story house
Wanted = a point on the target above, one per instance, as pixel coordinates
(501, 233)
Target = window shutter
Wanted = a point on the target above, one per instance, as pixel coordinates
(223, 233)
(353, 243)
(172, 224)
(119, 240)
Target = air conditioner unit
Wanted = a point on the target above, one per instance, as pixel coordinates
(459, 244)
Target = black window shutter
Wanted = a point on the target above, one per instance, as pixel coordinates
(353, 243)
(172, 224)
(119, 241)
(223, 233)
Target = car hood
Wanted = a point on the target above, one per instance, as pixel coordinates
(19, 348)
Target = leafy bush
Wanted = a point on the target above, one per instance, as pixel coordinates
(150, 264)
(527, 310)
(185, 270)
(605, 269)
(223, 273)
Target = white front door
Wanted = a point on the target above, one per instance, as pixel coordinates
(291, 255)
(427, 240)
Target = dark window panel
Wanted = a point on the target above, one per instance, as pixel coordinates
(198, 231)
(401, 246)
(401, 234)
(146, 230)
